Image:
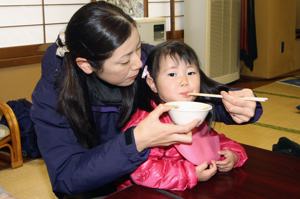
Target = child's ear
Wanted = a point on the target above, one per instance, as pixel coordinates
(84, 65)
(151, 83)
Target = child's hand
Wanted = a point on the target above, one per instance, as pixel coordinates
(230, 158)
(205, 171)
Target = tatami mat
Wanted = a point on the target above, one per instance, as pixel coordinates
(279, 89)
(281, 111)
(280, 118)
(30, 181)
(255, 135)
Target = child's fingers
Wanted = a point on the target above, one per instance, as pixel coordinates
(202, 167)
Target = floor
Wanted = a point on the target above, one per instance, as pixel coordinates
(266, 132)
(251, 82)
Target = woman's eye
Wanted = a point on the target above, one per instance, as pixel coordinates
(172, 74)
(125, 63)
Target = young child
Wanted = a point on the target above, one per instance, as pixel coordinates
(171, 72)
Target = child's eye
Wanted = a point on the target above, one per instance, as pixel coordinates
(191, 73)
(172, 74)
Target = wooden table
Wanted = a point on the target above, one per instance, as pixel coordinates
(265, 175)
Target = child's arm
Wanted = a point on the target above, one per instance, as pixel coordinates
(235, 147)
(228, 161)
(165, 169)
(205, 171)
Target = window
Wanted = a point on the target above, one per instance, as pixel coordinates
(28, 26)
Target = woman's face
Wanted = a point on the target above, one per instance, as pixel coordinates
(176, 79)
(123, 66)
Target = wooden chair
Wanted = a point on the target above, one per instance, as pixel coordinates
(13, 140)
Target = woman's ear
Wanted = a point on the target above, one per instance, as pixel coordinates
(151, 83)
(84, 65)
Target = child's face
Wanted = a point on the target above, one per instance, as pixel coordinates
(175, 80)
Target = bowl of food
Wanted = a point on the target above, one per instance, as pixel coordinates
(184, 112)
(204, 147)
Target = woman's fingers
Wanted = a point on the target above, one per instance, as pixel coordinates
(172, 128)
(186, 128)
(239, 118)
(159, 110)
(183, 138)
(239, 109)
(151, 132)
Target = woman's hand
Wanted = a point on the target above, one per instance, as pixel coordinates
(205, 172)
(240, 110)
(151, 132)
(230, 158)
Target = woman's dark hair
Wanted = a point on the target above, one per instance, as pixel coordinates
(93, 33)
(175, 49)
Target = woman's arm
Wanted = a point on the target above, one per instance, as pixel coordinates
(231, 109)
(241, 111)
(222, 115)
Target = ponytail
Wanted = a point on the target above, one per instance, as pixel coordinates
(73, 102)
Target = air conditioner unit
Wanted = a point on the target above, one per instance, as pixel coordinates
(152, 29)
(212, 29)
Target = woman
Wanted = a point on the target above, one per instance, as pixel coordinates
(83, 99)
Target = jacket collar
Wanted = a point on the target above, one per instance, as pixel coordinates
(102, 93)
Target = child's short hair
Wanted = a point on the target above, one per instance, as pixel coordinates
(177, 50)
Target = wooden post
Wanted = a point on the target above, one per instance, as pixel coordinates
(172, 18)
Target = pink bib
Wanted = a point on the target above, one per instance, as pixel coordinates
(204, 148)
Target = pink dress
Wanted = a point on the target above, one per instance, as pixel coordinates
(167, 168)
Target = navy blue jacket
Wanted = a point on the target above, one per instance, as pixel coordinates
(72, 168)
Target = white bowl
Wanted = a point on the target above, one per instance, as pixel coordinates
(187, 111)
